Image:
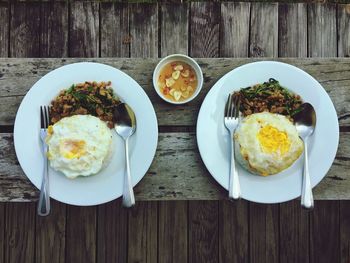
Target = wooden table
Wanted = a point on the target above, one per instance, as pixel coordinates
(174, 231)
(177, 172)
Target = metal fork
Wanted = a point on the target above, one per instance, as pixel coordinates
(231, 120)
(44, 199)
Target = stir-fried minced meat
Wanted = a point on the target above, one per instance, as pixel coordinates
(94, 98)
(269, 96)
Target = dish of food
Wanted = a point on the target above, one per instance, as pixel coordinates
(213, 142)
(81, 143)
(177, 81)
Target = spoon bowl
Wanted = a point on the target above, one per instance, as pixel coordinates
(305, 122)
(125, 126)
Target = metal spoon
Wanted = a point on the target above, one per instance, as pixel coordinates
(305, 122)
(125, 126)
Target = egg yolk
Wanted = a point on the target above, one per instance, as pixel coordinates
(273, 140)
(70, 149)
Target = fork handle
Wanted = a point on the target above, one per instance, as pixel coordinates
(234, 189)
(44, 199)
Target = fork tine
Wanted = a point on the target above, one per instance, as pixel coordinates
(47, 122)
(233, 98)
(227, 106)
(237, 105)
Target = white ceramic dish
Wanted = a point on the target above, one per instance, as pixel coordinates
(108, 183)
(178, 57)
(213, 139)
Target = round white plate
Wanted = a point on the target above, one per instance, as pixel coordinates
(213, 139)
(108, 183)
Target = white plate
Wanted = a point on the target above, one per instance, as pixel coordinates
(213, 139)
(107, 184)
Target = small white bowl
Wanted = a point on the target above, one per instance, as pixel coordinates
(183, 58)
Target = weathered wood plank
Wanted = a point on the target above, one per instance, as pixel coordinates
(263, 233)
(84, 29)
(233, 231)
(20, 232)
(173, 232)
(50, 235)
(294, 233)
(81, 234)
(25, 30)
(174, 29)
(234, 33)
(292, 30)
(115, 38)
(2, 231)
(263, 30)
(144, 30)
(324, 232)
(344, 229)
(143, 233)
(54, 29)
(343, 30)
(19, 75)
(167, 178)
(322, 32)
(112, 233)
(204, 29)
(203, 232)
(4, 30)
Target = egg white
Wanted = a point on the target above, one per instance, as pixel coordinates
(79, 145)
(250, 152)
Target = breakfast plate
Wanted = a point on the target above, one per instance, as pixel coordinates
(213, 139)
(107, 185)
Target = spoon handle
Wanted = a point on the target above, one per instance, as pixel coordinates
(307, 200)
(128, 192)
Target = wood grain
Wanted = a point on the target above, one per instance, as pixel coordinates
(173, 232)
(324, 232)
(144, 30)
(2, 231)
(294, 233)
(322, 33)
(174, 29)
(234, 33)
(20, 232)
(234, 231)
(204, 29)
(25, 30)
(81, 234)
(142, 232)
(343, 30)
(50, 239)
(4, 30)
(54, 29)
(84, 29)
(344, 229)
(203, 232)
(263, 30)
(112, 233)
(292, 32)
(115, 38)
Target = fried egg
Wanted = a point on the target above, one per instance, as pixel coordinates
(79, 145)
(267, 143)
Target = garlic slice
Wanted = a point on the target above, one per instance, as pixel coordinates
(177, 95)
(186, 73)
(176, 74)
(169, 82)
(171, 92)
(183, 88)
(179, 67)
(185, 94)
